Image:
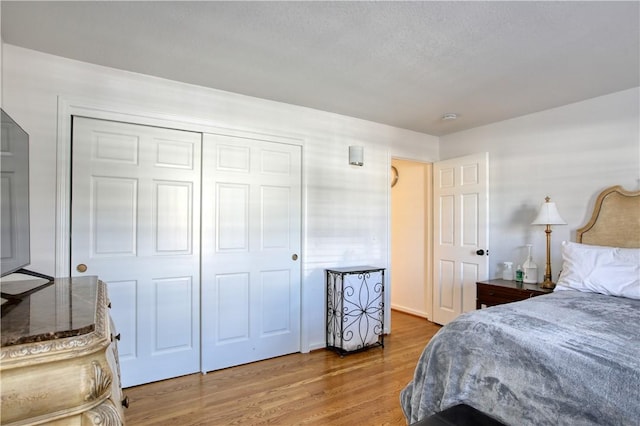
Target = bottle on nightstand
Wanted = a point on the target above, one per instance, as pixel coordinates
(507, 271)
(519, 274)
(530, 269)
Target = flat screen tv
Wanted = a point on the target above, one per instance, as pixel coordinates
(14, 196)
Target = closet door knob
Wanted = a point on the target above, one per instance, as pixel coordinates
(81, 267)
(481, 252)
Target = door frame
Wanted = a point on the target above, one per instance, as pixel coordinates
(135, 114)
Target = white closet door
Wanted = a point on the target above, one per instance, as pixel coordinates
(461, 233)
(136, 225)
(250, 251)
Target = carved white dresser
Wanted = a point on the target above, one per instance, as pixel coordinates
(59, 359)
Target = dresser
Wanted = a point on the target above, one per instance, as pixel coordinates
(497, 292)
(59, 355)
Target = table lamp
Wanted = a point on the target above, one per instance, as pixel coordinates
(548, 216)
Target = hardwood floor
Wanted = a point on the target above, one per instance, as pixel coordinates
(319, 388)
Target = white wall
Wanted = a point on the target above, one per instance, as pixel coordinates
(569, 153)
(346, 207)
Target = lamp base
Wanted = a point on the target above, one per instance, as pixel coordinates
(547, 283)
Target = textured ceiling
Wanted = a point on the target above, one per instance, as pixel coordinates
(400, 63)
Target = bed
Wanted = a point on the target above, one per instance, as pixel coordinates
(571, 357)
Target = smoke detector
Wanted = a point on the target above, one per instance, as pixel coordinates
(450, 116)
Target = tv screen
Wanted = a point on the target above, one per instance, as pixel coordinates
(14, 196)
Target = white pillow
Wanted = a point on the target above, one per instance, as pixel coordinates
(598, 269)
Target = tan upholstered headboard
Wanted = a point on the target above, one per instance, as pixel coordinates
(615, 221)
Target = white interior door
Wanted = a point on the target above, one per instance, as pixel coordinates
(136, 224)
(250, 250)
(461, 215)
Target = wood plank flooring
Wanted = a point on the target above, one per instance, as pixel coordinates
(319, 388)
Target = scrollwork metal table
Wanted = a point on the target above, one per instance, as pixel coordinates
(355, 308)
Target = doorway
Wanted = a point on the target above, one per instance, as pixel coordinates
(411, 236)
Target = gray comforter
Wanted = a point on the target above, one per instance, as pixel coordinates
(566, 358)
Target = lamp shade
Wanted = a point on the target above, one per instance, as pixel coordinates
(548, 215)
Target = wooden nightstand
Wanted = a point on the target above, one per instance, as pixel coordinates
(497, 292)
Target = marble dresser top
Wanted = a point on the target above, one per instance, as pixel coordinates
(37, 310)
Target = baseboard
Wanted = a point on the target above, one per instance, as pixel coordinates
(410, 311)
